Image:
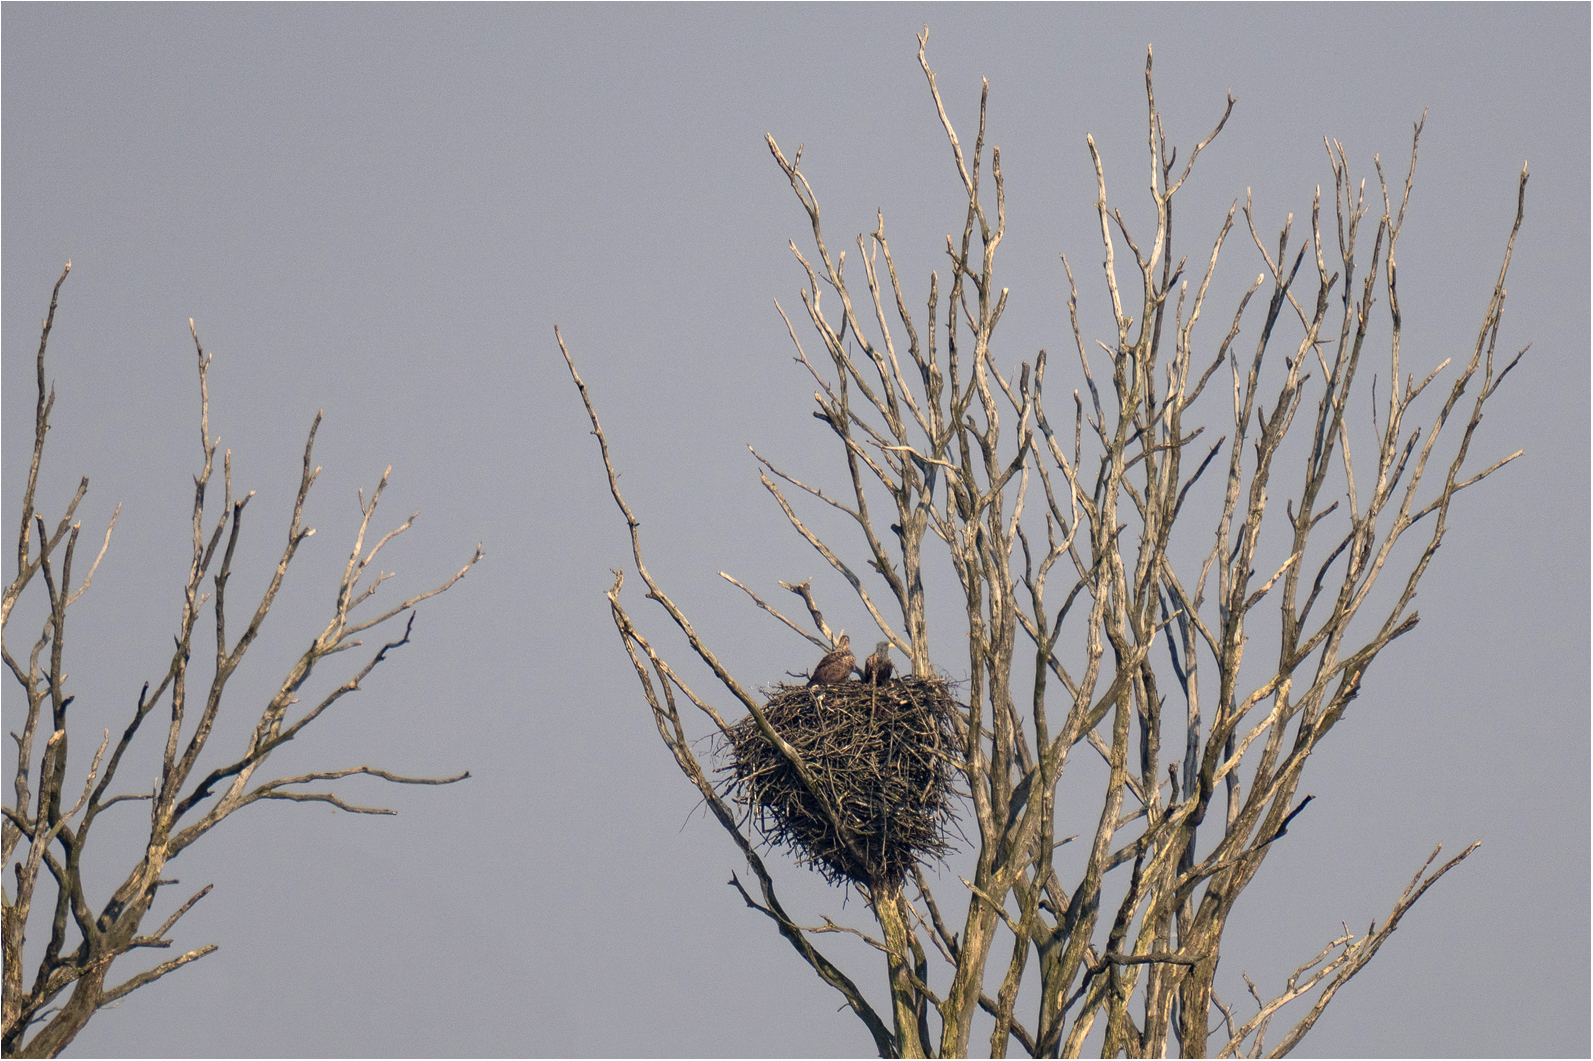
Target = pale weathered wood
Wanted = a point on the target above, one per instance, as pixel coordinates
(918, 405)
(83, 944)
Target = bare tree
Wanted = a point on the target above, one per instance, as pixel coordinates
(52, 814)
(1061, 545)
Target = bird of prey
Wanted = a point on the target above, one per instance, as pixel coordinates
(877, 668)
(835, 667)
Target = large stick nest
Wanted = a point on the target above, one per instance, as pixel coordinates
(883, 759)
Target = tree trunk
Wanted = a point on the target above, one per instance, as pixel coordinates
(904, 997)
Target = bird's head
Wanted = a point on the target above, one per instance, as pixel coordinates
(844, 642)
(882, 649)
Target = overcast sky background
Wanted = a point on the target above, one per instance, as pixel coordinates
(382, 212)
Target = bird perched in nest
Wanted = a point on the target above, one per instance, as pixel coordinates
(837, 666)
(878, 667)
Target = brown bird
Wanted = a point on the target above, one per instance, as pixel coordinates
(835, 667)
(877, 668)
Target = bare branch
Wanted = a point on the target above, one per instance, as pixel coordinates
(760, 602)
(115, 994)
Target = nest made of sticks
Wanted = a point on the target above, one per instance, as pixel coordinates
(883, 759)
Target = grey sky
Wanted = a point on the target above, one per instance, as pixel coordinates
(382, 212)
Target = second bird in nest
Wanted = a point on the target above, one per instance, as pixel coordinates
(877, 668)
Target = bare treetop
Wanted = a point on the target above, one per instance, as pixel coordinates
(83, 944)
(1085, 630)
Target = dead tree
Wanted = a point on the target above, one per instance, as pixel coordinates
(1059, 542)
(54, 809)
